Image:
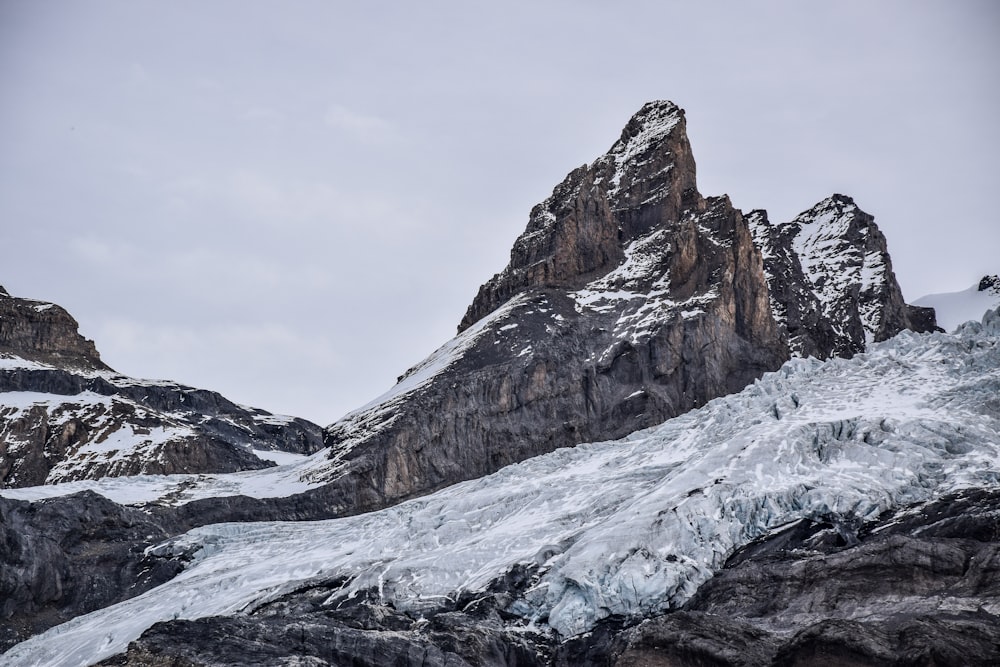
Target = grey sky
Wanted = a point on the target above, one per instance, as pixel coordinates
(293, 202)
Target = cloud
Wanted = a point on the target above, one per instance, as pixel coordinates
(363, 127)
(261, 114)
(247, 361)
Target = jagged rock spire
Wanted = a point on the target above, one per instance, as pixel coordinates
(582, 229)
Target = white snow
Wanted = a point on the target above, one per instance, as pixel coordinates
(954, 308)
(279, 457)
(658, 121)
(837, 270)
(286, 479)
(11, 362)
(626, 527)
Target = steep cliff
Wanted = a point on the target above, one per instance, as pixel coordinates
(831, 282)
(628, 299)
(44, 332)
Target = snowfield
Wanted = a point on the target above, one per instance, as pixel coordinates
(954, 308)
(626, 527)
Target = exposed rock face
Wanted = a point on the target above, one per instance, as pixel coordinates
(67, 556)
(64, 415)
(646, 180)
(919, 587)
(629, 299)
(831, 281)
(41, 331)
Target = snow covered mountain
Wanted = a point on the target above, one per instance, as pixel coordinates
(659, 400)
(629, 298)
(954, 308)
(831, 282)
(64, 415)
(839, 443)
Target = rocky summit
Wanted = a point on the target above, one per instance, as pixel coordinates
(629, 298)
(666, 433)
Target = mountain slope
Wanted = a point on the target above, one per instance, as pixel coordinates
(831, 281)
(954, 308)
(838, 442)
(65, 415)
(628, 299)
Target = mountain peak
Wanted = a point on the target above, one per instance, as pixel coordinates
(581, 231)
(653, 122)
(990, 283)
(42, 331)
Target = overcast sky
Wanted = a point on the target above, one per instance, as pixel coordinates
(293, 202)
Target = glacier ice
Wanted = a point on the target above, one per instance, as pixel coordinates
(628, 527)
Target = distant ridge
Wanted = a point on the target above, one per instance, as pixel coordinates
(954, 308)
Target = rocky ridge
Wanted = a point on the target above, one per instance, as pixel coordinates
(629, 298)
(831, 282)
(846, 508)
(65, 415)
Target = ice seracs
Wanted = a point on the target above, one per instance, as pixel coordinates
(905, 422)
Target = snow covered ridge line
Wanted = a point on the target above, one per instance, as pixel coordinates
(906, 422)
(285, 479)
(954, 308)
(66, 423)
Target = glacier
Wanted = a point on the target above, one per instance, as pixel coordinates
(629, 527)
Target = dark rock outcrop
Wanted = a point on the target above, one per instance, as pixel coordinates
(831, 282)
(70, 555)
(74, 418)
(316, 627)
(44, 332)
